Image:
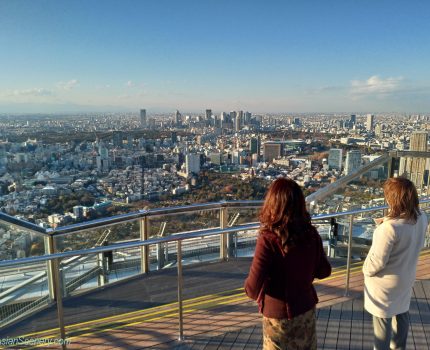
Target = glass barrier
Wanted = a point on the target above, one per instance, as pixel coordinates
(241, 243)
(164, 255)
(24, 290)
(17, 242)
(82, 273)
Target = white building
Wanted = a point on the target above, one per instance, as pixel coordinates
(353, 161)
(370, 122)
(335, 158)
(192, 164)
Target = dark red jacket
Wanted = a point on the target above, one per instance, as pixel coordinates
(287, 277)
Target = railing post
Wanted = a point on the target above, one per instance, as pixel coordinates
(348, 262)
(223, 222)
(179, 264)
(144, 250)
(102, 280)
(49, 249)
(59, 300)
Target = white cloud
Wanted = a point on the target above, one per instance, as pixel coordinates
(375, 86)
(36, 92)
(130, 83)
(68, 85)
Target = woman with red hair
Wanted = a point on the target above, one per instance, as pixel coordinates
(288, 256)
(390, 267)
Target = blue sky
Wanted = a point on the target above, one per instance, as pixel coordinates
(262, 56)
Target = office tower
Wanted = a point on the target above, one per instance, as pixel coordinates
(192, 164)
(238, 121)
(174, 137)
(117, 138)
(271, 150)
(370, 121)
(143, 121)
(216, 121)
(415, 168)
(177, 118)
(130, 141)
(254, 145)
(247, 118)
(352, 119)
(232, 116)
(353, 161)
(335, 158)
(208, 116)
(102, 158)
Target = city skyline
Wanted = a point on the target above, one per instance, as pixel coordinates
(264, 57)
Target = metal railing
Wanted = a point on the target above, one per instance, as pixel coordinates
(53, 259)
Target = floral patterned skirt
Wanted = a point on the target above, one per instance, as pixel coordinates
(298, 333)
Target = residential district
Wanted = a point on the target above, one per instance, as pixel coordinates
(62, 169)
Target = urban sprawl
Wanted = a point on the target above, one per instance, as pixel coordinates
(61, 169)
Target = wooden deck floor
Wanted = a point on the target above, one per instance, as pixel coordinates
(228, 320)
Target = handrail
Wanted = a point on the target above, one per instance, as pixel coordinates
(132, 244)
(123, 218)
(180, 236)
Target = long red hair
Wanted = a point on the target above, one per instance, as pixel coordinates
(284, 213)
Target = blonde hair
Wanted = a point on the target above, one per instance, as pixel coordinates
(402, 199)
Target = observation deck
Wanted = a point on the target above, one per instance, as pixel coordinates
(193, 299)
(150, 279)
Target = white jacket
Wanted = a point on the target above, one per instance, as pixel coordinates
(390, 267)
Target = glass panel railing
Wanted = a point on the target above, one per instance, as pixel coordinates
(242, 243)
(24, 290)
(164, 255)
(81, 273)
(18, 242)
(166, 225)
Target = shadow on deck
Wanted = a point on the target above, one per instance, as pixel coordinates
(142, 313)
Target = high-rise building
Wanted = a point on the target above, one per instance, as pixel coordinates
(247, 118)
(117, 138)
(208, 116)
(370, 122)
(192, 164)
(335, 158)
(177, 118)
(353, 161)
(102, 158)
(254, 145)
(143, 121)
(271, 150)
(238, 121)
(174, 137)
(353, 119)
(415, 168)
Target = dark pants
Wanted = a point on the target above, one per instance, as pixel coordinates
(391, 333)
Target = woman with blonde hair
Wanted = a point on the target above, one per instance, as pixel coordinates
(288, 256)
(390, 267)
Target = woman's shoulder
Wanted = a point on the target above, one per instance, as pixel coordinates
(268, 235)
